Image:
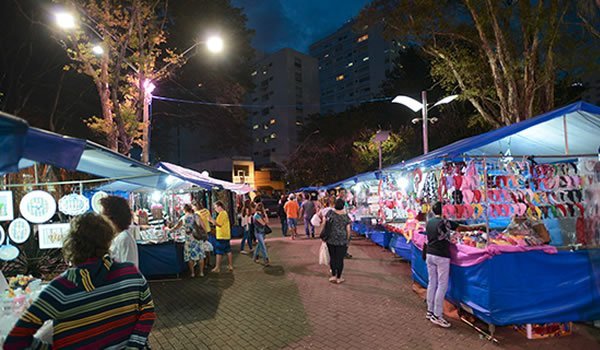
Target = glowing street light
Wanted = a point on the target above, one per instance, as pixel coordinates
(98, 50)
(416, 106)
(214, 44)
(64, 20)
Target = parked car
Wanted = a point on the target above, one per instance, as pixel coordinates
(271, 206)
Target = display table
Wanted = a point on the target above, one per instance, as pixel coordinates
(524, 287)
(161, 259)
(400, 247)
(379, 235)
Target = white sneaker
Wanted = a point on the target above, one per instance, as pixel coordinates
(429, 315)
(440, 321)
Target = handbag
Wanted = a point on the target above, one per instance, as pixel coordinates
(326, 232)
(267, 230)
(198, 231)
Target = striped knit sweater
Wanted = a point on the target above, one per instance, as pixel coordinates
(99, 304)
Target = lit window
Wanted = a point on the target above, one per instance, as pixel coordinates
(339, 77)
(253, 73)
(273, 121)
(362, 38)
(273, 135)
(350, 64)
(255, 126)
(366, 59)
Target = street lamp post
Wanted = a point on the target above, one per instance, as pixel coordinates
(214, 44)
(148, 87)
(415, 106)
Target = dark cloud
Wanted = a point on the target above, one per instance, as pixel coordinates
(296, 23)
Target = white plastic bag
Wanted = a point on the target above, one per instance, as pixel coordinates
(323, 254)
(207, 246)
(315, 220)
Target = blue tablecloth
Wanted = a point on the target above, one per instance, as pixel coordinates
(400, 247)
(528, 287)
(161, 259)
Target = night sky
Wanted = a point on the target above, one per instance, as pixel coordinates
(296, 23)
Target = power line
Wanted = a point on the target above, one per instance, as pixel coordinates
(206, 103)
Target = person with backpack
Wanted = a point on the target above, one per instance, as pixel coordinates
(439, 234)
(261, 222)
(195, 235)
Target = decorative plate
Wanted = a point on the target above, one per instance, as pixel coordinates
(19, 231)
(38, 207)
(96, 200)
(2, 235)
(73, 204)
(9, 252)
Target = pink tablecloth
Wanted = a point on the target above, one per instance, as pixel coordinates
(463, 255)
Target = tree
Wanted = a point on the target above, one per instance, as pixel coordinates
(393, 150)
(132, 37)
(503, 56)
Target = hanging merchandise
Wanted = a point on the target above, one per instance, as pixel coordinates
(19, 231)
(73, 204)
(52, 235)
(588, 226)
(96, 200)
(6, 206)
(38, 207)
(8, 252)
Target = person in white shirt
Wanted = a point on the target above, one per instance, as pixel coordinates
(123, 247)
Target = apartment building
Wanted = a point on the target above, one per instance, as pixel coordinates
(286, 94)
(353, 65)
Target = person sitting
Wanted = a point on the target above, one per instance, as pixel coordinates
(98, 303)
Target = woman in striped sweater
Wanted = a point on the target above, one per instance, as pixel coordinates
(97, 304)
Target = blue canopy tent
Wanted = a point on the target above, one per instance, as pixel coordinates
(202, 179)
(570, 130)
(22, 146)
(520, 288)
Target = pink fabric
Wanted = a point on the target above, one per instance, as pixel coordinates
(464, 255)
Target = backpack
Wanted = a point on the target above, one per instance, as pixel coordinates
(198, 231)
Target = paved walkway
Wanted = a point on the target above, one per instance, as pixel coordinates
(291, 305)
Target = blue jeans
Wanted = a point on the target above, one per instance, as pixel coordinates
(284, 226)
(309, 229)
(260, 238)
(246, 238)
(438, 269)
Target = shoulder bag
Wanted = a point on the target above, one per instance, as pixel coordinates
(327, 227)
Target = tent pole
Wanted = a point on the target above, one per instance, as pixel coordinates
(565, 132)
(35, 173)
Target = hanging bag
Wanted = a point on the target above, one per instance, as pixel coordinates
(198, 231)
(327, 227)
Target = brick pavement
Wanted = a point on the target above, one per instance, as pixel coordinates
(292, 305)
